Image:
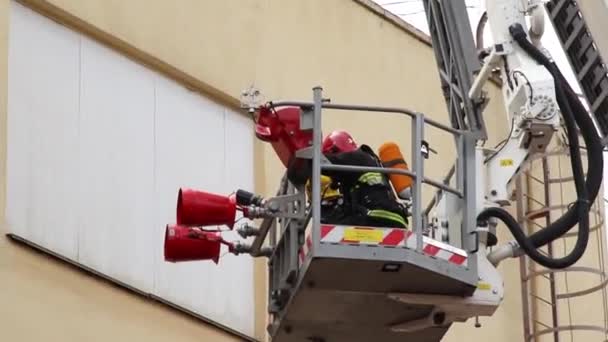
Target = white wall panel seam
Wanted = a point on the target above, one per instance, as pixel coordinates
(156, 247)
(79, 219)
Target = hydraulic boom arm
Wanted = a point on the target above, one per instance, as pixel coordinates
(535, 94)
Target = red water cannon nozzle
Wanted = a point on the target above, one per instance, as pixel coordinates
(199, 208)
(184, 243)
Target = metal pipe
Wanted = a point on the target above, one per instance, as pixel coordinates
(450, 174)
(459, 166)
(548, 222)
(407, 112)
(352, 168)
(431, 204)
(503, 252)
(523, 264)
(417, 137)
(446, 181)
(481, 25)
(569, 328)
(442, 187)
(257, 243)
(484, 74)
(267, 224)
(471, 206)
(443, 127)
(569, 269)
(316, 165)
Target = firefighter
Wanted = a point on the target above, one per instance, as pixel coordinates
(368, 198)
(332, 201)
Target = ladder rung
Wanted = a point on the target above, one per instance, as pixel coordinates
(593, 59)
(540, 181)
(574, 35)
(541, 299)
(453, 87)
(586, 43)
(560, 180)
(572, 14)
(600, 74)
(537, 224)
(536, 201)
(598, 101)
(555, 11)
(583, 54)
(543, 324)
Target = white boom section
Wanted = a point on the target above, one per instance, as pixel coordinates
(529, 95)
(528, 91)
(530, 102)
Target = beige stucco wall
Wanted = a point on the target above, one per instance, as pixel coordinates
(46, 300)
(285, 47)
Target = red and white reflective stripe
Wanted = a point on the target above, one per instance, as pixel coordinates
(393, 237)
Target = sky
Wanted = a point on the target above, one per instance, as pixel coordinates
(412, 11)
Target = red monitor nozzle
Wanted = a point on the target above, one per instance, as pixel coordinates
(199, 208)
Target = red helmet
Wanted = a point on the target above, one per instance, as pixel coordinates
(338, 141)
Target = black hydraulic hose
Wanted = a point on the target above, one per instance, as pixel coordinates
(530, 250)
(581, 207)
(586, 189)
(567, 99)
(595, 164)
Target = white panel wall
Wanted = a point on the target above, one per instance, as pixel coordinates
(43, 132)
(186, 119)
(98, 146)
(117, 165)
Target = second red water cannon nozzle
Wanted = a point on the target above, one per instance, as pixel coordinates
(200, 208)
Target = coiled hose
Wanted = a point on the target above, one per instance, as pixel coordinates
(587, 189)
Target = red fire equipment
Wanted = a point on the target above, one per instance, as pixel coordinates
(199, 208)
(184, 243)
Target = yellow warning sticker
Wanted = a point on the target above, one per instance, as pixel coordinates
(484, 286)
(363, 235)
(506, 162)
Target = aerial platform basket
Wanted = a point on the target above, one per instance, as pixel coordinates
(344, 283)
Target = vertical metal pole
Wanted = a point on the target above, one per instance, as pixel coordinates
(460, 163)
(316, 165)
(547, 188)
(454, 238)
(417, 136)
(469, 222)
(523, 262)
